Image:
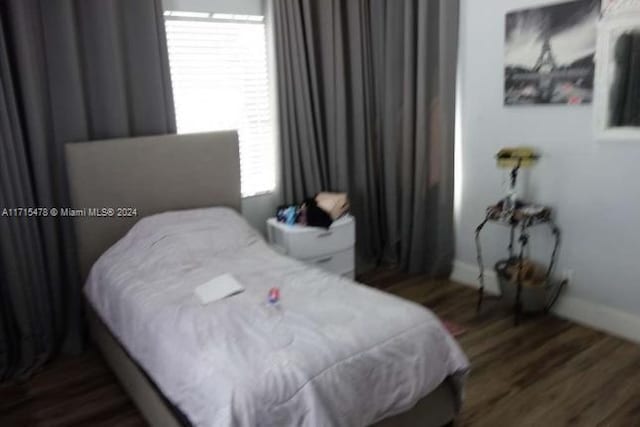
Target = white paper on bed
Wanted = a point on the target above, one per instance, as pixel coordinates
(218, 288)
(334, 353)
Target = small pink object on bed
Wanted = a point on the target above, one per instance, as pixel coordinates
(274, 295)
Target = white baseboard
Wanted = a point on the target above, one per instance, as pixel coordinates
(598, 316)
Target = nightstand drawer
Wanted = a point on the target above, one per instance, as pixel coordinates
(339, 263)
(313, 242)
(320, 241)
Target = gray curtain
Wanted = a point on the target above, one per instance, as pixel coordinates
(367, 105)
(71, 71)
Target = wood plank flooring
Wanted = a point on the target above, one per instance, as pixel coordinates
(547, 372)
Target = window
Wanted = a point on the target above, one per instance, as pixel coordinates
(220, 81)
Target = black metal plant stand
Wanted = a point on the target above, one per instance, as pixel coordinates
(523, 219)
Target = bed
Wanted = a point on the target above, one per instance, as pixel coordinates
(332, 353)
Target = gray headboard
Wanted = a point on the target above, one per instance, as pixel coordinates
(151, 174)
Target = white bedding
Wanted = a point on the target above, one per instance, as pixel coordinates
(333, 353)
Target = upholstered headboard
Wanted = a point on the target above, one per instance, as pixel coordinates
(151, 175)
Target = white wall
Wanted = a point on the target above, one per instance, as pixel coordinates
(594, 186)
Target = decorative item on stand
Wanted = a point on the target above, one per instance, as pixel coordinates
(529, 287)
(514, 159)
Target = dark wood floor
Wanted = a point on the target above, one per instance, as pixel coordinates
(547, 372)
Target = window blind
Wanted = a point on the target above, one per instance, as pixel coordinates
(220, 81)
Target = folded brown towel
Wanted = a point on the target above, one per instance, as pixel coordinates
(335, 204)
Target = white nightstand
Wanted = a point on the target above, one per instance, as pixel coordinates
(332, 250)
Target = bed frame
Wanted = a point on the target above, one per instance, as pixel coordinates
(158, 174)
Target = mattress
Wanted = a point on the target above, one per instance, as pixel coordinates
(330, 353)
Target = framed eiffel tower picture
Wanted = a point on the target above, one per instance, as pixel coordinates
(550, 54)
